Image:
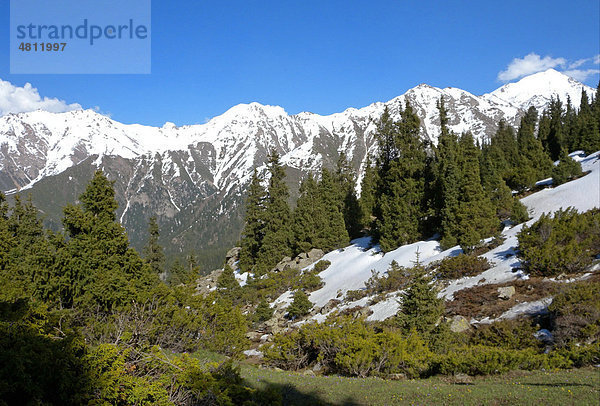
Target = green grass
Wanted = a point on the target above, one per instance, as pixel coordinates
(564, 387)
(561, 387)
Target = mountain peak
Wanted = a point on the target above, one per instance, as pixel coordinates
(537, 89)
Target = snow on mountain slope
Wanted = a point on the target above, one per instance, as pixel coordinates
(537, 89)
(351, 266)
(41, 144)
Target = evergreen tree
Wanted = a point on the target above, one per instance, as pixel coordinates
(400, 191)
(6, 237)
(31, 254)
(300, 306)
(177, 274)
(503, 150)
(571, 125)
(96, 268)
(447, 177)
(153, 252)
(334, 234)
(588, 126)
(227, 286)
(555, 138)
(263, 312)
(385, 136)
(534, 163)
(253, 232)
(350, 204)
(276, 241)
(421, 310)
(566, 170)
(475, 215)
(367, 193)
(309, 220)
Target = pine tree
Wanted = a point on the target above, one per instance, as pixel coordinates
(153, 252)
(96, 267)
(334, 234)
(475, 215)
(263, 312)
(447, 177)
(400, 191)
(31, 254)
(503, 150)
(588, 126)
(421, 310)
(350, 205)
(253, 232)
(571, 125)
(555, 138)
(227, 285)
(367, 193)
(6, 237)
(276, 241)
(300, 306)
(566, 170)
(534, 163)
(309, 220)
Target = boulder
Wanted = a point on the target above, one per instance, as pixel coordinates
(329, 306)
(462, 379)
(233, 256)
(506, 292)
(254, 336)
(459, 324)
(315, 254)
(396, 377)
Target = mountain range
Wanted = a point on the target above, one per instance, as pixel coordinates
(194, 178)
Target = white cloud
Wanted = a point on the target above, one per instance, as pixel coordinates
(597, 60)
(578, 63)
(581, 74)
(528, 65)
(14, 99)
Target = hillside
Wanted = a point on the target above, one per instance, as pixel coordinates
(194, 178)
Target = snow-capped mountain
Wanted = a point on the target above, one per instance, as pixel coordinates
(194, 177)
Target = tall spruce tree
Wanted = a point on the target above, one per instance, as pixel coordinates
(447, 177)
(555, 137)
(399, 206)
(588, 126)
(253, 232)
(367, 193)
(334, 234)
(309, 220)
(276, 241)
(153, 252)
(346, 180)
(534, 163)
(420, 308)
(96, 269)
(475, 216)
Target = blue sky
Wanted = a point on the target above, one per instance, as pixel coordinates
(325, 56)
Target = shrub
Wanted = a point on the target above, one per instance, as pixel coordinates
(510, 334)
(576, 314)
(300, 306)
(354, 295)
(321, 266)
(461, 266)
(350, 347)
(397, 278)
(310, 281)
(566, 170)
(567, 242)
(263, 312)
